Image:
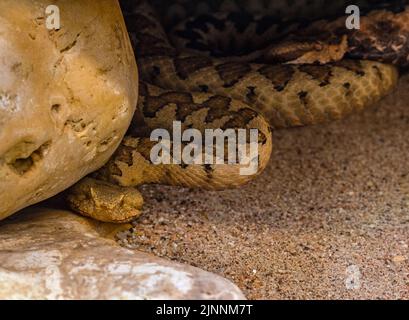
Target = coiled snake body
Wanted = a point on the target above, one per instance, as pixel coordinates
(297, 73)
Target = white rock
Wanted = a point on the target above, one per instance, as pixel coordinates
(54, 254)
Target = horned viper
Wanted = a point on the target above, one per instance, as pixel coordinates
(239, 69)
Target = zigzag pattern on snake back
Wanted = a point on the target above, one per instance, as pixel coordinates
(311, 84)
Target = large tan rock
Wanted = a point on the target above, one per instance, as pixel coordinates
(66, 96)
(54, 254)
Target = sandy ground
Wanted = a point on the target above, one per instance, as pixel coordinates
(329, 218)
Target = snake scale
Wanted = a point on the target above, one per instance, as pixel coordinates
(261, 68)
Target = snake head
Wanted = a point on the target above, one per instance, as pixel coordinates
(104, 201)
